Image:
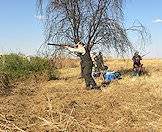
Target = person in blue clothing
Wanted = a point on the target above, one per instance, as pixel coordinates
(109, 76)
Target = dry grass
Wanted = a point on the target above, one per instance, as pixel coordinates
(64, 62)
(132, 104)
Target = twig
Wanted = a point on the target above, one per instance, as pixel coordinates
(46, 122)
(12, 124)
(50, 108)
(69, 118)
(152, 113)
(56, 125)
(92, 125)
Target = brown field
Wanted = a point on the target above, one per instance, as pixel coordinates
(132, 104)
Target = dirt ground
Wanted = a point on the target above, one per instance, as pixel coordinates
(132, 104)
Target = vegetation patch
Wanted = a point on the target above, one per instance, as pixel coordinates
(15, 67)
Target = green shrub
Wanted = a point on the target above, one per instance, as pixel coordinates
(17, 66)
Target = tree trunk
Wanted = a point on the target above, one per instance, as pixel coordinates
(81, 69)
(86, 70)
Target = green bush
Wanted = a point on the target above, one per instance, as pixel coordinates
(17, 66)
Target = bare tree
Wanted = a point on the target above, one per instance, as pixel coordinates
(93, 22)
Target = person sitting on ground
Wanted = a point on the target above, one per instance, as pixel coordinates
(137, 66)
(109, 76)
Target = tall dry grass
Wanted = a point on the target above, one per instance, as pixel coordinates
(64, 62)
(132, 104)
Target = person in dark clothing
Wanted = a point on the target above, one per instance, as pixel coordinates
(99, 61)
(137, 66)
(86, 64)
(87, 70)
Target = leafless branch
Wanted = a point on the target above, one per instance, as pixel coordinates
(94, 22)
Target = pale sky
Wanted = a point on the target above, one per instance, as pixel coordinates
(21, 31)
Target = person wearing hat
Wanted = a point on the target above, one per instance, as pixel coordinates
(137, 66)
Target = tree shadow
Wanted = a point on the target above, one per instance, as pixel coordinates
(130, 72)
